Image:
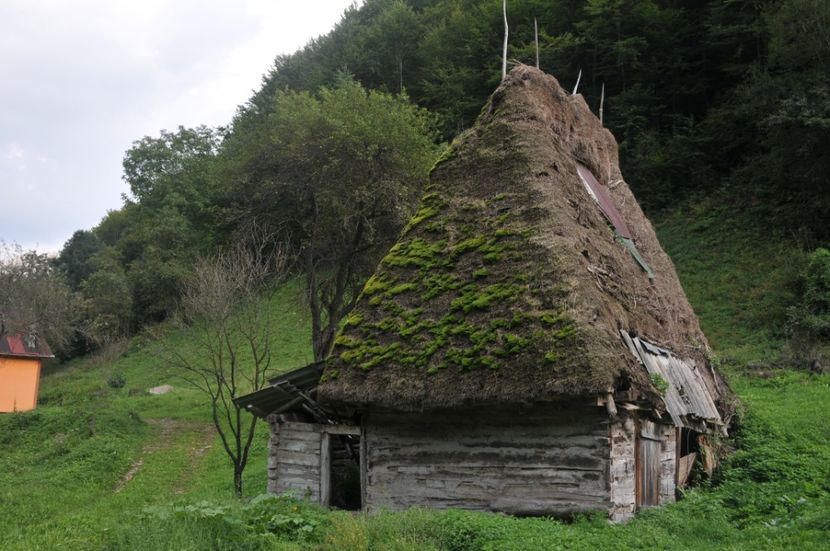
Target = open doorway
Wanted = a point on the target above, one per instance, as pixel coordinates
(340, 476)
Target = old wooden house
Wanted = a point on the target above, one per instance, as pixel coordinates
(524, 347)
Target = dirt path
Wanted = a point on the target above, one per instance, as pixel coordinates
(165, 434)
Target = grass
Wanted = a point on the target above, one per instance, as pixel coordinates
(61, 463)
(68, 477)
(739, 277)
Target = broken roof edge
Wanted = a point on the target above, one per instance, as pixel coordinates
(284, 392)
(688, 398)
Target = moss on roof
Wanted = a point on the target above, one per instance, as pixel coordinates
(507, 285)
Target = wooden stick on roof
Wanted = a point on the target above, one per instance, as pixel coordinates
(506, 31)
(578, 78)
(601, 102)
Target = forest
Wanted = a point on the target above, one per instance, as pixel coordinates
(715, 104)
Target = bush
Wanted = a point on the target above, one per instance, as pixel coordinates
(811, 316)
(809, 319)
(116, 380)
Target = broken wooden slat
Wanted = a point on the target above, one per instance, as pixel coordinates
(684, 468)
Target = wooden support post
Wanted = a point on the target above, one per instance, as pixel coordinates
(325, 469)
(364, 464)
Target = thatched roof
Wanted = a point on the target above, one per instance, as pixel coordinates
(509, 286)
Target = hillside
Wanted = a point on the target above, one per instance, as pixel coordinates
(100, 467)
(91, 456)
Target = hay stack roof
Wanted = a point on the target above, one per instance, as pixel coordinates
(509, 286)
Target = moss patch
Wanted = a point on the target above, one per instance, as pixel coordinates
(446, 297)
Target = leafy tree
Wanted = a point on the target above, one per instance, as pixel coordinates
(75, 259)
(107, 299)
(351, 164)
(154, 167)
(35, 297)
(168, 220)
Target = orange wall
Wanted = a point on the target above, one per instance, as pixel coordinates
(19, 380)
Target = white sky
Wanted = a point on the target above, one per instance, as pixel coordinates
(80, 80)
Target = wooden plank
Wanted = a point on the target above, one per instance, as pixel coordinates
(325, 469)
(299, 458)
(292, 469)
(299, 426)
(349, 430)
(311, 438)
(296, 446)
(648, 472)
(364, 465)
(684, 468)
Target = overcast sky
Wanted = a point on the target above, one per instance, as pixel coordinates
(80, 80)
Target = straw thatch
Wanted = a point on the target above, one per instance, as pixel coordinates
(508, 285)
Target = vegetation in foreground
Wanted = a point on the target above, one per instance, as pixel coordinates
(103, 464)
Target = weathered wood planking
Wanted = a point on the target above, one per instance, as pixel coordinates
(687, 397)
(548, 461)
(294, 462)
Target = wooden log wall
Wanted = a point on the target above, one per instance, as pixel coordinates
(546, 461)
(294, 458)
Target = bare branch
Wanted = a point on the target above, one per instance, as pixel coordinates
(226, 304)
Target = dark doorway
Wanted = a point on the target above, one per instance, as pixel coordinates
(341, 471)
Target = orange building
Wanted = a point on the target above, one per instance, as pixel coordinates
(20, 360)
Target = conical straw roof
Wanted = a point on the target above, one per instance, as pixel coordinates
(509, 285)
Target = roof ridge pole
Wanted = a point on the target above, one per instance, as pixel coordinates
(578, 78)
(601, 102)
(536, 36)
(506, 32)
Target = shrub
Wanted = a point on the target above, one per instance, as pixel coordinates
(811, 316)
(116, 380)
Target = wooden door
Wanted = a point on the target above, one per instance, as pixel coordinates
(648, 465)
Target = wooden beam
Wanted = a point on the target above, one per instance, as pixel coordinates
(364, 463)
(325, 470)
(346, 430)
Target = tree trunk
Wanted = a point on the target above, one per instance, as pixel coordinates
(237, 480)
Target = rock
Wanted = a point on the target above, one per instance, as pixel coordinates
(163, 389)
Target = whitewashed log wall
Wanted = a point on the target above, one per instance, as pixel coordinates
(622, 470)
(668, 464)
(546, 461)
